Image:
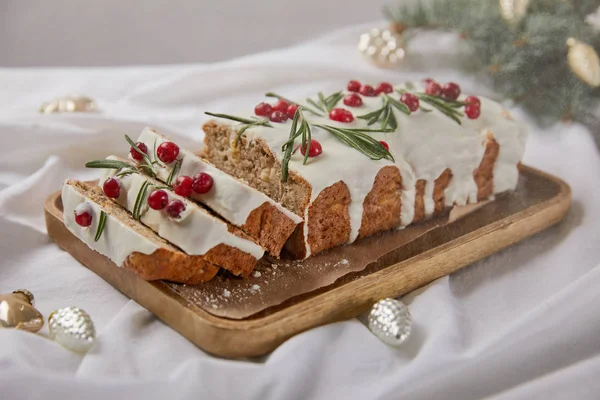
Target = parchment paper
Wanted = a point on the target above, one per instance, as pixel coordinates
(276, 281)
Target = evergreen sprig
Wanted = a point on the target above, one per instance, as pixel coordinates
(524, 60)
(247, 123)
(385, 114)
(328, 103)
(358, 139)
(279, 97)
(101, 223)
(304, 132)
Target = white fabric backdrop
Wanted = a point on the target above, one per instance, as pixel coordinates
(521, 324)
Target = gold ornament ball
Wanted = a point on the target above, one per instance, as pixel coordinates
(17, 311)
(584, 62)
(383, 48)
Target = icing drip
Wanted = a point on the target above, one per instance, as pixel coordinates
(305, 231)
(424, 145)
(195, 232)
(118, 240)
(229, 197)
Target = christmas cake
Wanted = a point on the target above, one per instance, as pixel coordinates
(180, 221)
(369, 159)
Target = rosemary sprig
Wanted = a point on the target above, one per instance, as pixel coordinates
(358, 139)
(445, 106)
(156, 159)
(288, 147)
(174, 172)
(279, 97)
(125, 173)
(107, 164)
(139, 201)
(385, 114)
(148, 163)
(248, 123)
(326, 104)
(101, 223)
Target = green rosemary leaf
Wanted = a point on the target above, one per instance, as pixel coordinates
(425, 109)
(315, 105)
(409, 85)
(332, 100)
(360, 141)
(288, 147)
(244, 128)
(136, 148)
(399, 105)
(125, 173)
(306, 142)
(231, 117)
(372, 117)
(156, 159)
(101, 223)
(391, 119)
(139, 201)
(107, 164)
(271, 94)
(368, 130)
(385, 117)
(173, 173)
(163, 187)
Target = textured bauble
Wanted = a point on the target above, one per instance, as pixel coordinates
(18, 312)
(68, 104)
(72, 328)
(383, 48)
(593, 20)
(584, 62)
(513, 11)
(390, 321)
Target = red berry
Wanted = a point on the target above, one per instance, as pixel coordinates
(158, 199)
(353, 100)
(473, 111)
(83, 214)
(433, 88)
(203, 182)
(175, 208)
(428, 80)
(341, 115)
(167, 152)
(367, 90)
(112, 188)
(263, 109)
(384, 87)
(183, 186)
(315, 149)
(291, 110)
(474, 100)
(281, 105)
(385, 145)
(135, 154)
(354, 86)
(451, 91)
(411, 101)
(278, 116)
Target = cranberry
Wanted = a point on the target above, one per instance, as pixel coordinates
(175, 208)
(202, 184)
(281, 105)
(291, 110)
(428, 80)
(136, 154)
(385, 145)
(473, 111)
(263, 109)
(474, 100)
(83, 214)
(278, 116)
(315, 149)
(411, 101)
(158, 199)
(112, 188)
(367, 90)
(353, 86)
(353, 100)
(167, 152)
(183, 186)
(451, 91)
(384, 87)
(341, 115)
(433, 88)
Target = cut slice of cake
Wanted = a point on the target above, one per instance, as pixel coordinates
(180, 221)
(265, 220)
(111, 231)
(376, 161)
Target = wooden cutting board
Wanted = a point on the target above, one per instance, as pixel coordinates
(539, 201)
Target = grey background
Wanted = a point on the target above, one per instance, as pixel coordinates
(119, 32)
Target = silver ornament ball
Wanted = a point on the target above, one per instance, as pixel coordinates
(390, 321)
(72, 328)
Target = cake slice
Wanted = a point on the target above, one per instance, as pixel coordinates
(180, 221)
(378, 160)
(265, 220)
(125, 241)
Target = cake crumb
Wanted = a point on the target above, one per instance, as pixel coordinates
(344, 262)
(214, 306)
(256, 274)
(255, 288)
(226, 293)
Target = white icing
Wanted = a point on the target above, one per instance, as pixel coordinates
(195, 232)
(118, 240)
(229, 197)
(424, 145)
